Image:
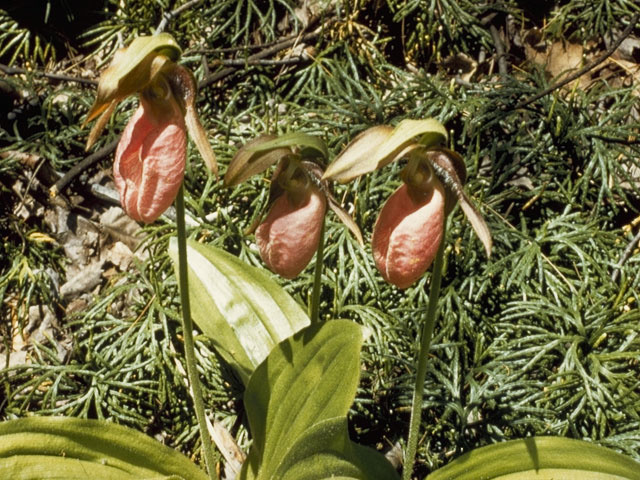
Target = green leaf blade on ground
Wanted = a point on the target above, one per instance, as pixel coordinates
(540, 458)
(61, 447)
(325, 451)
(242, 310)
(308, 378)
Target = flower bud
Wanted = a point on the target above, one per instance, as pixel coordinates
(408, 232)
(289, 235)
(150, 158)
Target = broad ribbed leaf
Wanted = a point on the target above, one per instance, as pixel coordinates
(307, 379)
(540, 458)
(38, 448)
(242, 310)
(325, 451)
(380, 145)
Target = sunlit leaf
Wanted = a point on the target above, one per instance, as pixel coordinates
(543, 458)
(38, 448)
(242, 310)
(308, 378)
(325, 451)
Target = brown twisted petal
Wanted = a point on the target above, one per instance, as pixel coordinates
(451, 169)
(407, 234)
(289, 235)
(150, 160)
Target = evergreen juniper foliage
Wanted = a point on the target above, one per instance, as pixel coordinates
(542, 338)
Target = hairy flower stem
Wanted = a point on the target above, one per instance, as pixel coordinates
(425, 344)
(314, 309)
(187, 331)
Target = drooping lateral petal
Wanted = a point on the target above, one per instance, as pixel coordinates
(185, 88)
(451, 170)
(149, 164)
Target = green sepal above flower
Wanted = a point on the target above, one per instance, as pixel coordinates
(151, 155)
(131, 69)
(380, 145)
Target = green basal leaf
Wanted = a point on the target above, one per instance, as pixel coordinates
(380, 145)
(38, 448)
(294, 139)
(242, 310)
(541, 458)
(308, 378)
(325, 451)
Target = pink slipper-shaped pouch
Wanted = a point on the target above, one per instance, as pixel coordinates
(407, 234)
(150, 162)
(289, 235)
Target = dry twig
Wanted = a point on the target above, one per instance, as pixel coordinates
(53, 76)
(78, 168)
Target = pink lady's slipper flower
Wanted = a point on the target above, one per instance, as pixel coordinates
(410, 226)
(291, 231)
(151, 155)
(150, 158)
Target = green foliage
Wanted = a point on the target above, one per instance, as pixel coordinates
(540, 457)
(41, 448)
(589, 19)
(437, 29)
(19, 43)
(243, 311)
(539, 340)
(296, 405)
